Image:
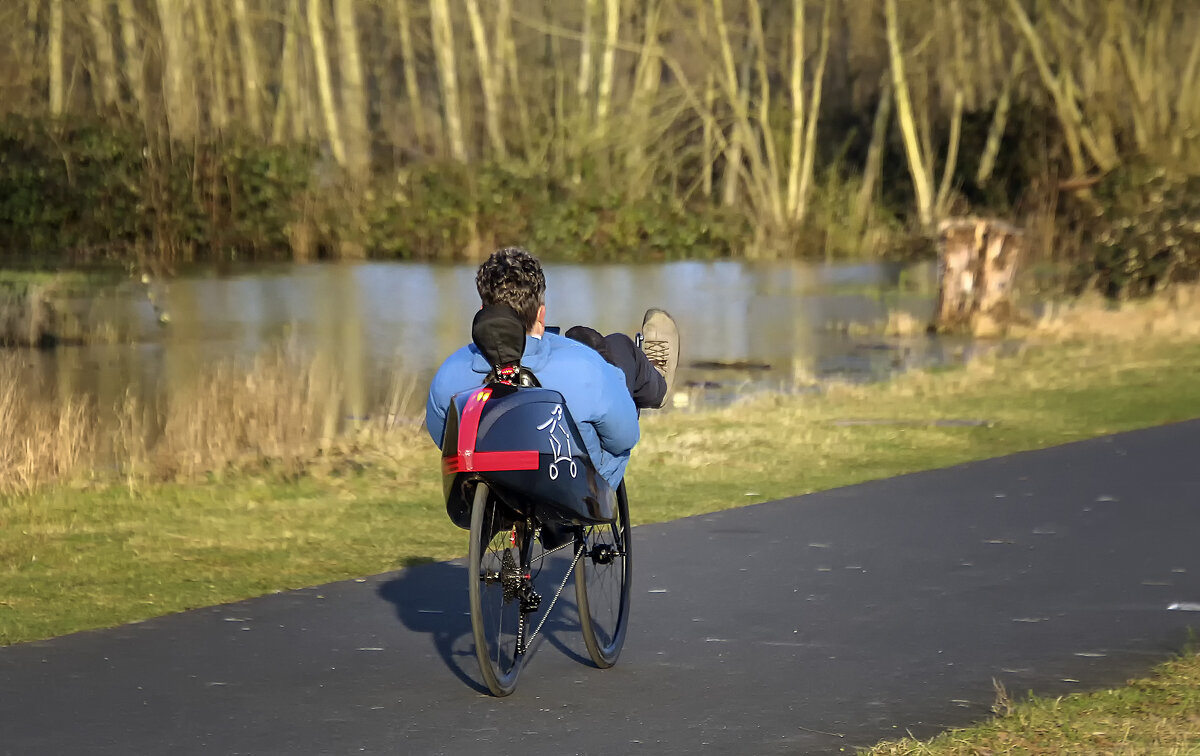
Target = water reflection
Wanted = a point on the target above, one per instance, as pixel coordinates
(745, 325)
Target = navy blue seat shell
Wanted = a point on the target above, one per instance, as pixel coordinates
(523, 442)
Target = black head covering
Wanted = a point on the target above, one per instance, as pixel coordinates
(499, 334)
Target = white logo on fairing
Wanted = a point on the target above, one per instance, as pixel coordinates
(556, 424)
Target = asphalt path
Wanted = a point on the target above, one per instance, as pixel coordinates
(809, 625)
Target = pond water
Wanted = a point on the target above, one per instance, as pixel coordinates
(745, 326)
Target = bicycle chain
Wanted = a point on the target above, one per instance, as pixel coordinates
(561, 587)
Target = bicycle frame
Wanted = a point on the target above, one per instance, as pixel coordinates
(512, 462)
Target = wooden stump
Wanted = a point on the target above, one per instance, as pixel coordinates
(978, 264)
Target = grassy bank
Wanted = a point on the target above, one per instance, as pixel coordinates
(97, 552)
(92, 550)
(1157, 715)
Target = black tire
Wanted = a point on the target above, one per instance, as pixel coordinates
(602, 578)
(496, 621)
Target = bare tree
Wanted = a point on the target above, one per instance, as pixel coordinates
(132, 57)
(178, 85)
(491, 79)
(587, 45)
(102, 41)
(991, 150)
(612, 30)
(211, 91)
(289, 118)
(408, 59)
(329, 110)
(354, 98)
(55, 55)
(919, 169)
(447, 69)
(1064, 91)
(248, 53)
(803, 156)
(510, 87)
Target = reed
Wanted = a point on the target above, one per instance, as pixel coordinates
(42, 441)
(284, 410)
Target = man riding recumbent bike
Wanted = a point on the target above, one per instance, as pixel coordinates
(517, 475)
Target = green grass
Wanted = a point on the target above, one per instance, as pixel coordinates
(67, 280)
(73, 558)
(79, 557)
(1158, 716)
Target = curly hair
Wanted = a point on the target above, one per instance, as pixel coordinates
(514, 277)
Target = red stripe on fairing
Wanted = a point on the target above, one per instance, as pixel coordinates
(495, 461)
(468, 426)
(469, 460)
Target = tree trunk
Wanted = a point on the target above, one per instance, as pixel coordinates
(506, 55)
(408, 59)
(178, 86)
(612, 15)
(447, 68)
(709, 137)
(1186, 111)
(357, 134)
(961, 74)
(943, 195)
(248, 51)
(646, 80)
(583, 84)
(737, 88)
(769, 183)
(921, 175)
(490, 76)
(54, 47)
(211, 72)
(796, 82)
(284, 116)
(734, 152)
(979, 260)
(329, 110)
(132, 60)
(1061, 88)
(800, 210)
(106, 66)
(987, 162)
(873, 168)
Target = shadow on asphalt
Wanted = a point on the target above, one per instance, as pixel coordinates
(431, 599)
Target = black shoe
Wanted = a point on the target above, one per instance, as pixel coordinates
(660, 342)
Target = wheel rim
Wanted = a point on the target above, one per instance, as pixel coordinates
(602, 586)
(495, 610)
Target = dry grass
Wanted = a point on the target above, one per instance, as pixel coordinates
(1172, 316)
(287, 410)
(284, 410)
(41, 441)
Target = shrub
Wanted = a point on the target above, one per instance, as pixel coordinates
(83, 191)
(1143, 233)
(72, 189)
(439, 211)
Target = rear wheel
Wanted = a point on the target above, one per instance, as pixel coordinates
(495, 577)
(602, 575)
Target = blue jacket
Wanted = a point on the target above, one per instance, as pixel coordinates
(594, 390)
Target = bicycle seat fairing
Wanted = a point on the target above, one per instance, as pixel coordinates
(523, 442)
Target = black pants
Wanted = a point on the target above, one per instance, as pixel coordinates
(646, 385)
